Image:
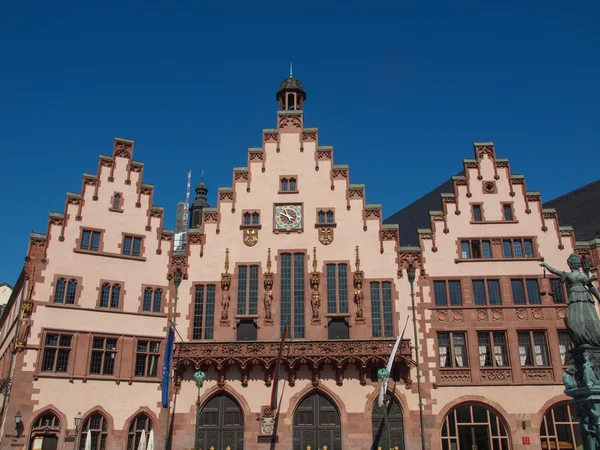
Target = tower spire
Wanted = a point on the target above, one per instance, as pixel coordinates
(291, 76)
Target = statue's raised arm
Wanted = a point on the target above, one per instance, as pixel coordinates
(552, 269)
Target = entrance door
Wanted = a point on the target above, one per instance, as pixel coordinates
(221, 424)
(474, 437)
(317, 423)
(49, 442)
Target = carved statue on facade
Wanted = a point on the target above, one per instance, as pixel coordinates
(268, 278)
(315, 301)
(315, 297)
(359, 276)
(267, 426)
(582, 319)
(225, 295)
(268, 303)
(225, 300)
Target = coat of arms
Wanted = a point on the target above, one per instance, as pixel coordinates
(250, 237)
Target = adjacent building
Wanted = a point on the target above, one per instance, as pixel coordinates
(292, 248)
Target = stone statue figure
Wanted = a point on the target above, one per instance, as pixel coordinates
(315, 301)
(267, 426)
(589, 433)
(268, 302)
(588, 376)
(582, 319)
(199, 378)
(358, 299)
(569, 378)
(225, 299)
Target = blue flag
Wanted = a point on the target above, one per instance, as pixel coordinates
(167, 367)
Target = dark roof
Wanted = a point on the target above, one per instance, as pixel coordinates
(416, 215)
(6, 284)
(579, 209)
(290, 83)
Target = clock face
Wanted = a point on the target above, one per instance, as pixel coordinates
(288, 217)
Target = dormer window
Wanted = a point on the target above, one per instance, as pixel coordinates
(325, 217)
(288, 184)
(117, 201)
(251, 218)
(477, 217)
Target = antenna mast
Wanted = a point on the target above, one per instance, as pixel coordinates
(186, 205)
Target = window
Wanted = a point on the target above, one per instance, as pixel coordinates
(62, 288)
(452, 348)
(533, 350)
(558, 293)
(508, 215)
(560, 428)
(132, 246)
(469, 426)
(141, 423)
(337, 288)
(90, 240)
(381, 309)
(564, 345)
(152, 300)
(146, 358)
(325, 217)
(475, 249)
(477, 217)
(96, 424)
(104, 352)
(46, 420)
(288, 184)
(292, 294)
(492, 349)
(529, 296)
(441, 294)
(251, 218)
(246, 330)
(110, 295)
(204, 311)
(247, 219)
(517, 248)
(117, 201)
(57, 348)
(491, 297)
(247, 300)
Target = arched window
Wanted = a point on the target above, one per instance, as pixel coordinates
(114, 296)
(104, 295)
(246, 218)
(292, 185)
(255, 218)
(46, 420)
(469, 426)
(117, 201)
(330, 218)
(284, 185)
(395, 421)
(157, 307)
(59, 291)
(559, 430)
(71, 291)
(140, 423)
(290, 102)
(321, 217)
(96, 424)
(147, 306)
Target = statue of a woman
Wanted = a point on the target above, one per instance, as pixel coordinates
(268, 302)
(358, 299)
(582, 319)
(315, 300)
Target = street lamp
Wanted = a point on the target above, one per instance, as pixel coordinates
(78, 418)
(18, 423)
(199, 378)
(411, 279)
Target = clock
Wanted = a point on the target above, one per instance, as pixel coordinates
(288, 217)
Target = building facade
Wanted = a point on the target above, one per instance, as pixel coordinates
(291, 248)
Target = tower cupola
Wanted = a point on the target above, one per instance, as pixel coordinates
(200, 202)
(291, 96)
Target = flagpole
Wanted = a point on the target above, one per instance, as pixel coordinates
(176, 282)
(386, 425)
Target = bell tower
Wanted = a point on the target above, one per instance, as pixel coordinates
(291, 96)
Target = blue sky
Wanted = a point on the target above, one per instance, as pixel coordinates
(400, 89)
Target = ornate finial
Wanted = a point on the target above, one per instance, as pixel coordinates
(291, 76)
(226, 260)
(31, 281)
(202, 179)
(269, 260)
(314, 259)
(357, 260)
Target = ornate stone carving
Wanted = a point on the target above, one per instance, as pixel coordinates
(482, 315)
(241, 176)
(194, 238)
(271, 136)
(359, 277)
(256, 156)
(60, 221)
(123, 149)
(73, 200)
(455, 376)
(225, 295)
(290, 120)
(533, 198)
(315, 297)
(156, 214)
(496, 374)
(502, 164)
(106, 162)
(146, 190)
(168, 237)
(442, 316)
(538, 374)
(309, 136)
(561, 313)
(521, 314)
(250, 237)
(472, 165)
(389, 235)
(457, 315)
(210, 217)
(325, 235)
(356, 193)
(268, 278)
(90, 181)
(483, 150)
(324, 155)
(537, 314)
(497, 314)
(373, 214)
(226, 196)
(340, 174)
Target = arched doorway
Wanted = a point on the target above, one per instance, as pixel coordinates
(317, 423)
(221, 424)
(45, 431)
(559, 431)
(395, 421)
(473, 427)
(141, 422)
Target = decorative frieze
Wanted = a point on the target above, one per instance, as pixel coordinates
(455, 376)
(500, 375)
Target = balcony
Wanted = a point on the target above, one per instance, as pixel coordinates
(363, 354)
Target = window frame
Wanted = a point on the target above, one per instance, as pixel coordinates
(522, 247)
(285, 184)
(297, 294)
(134, 238)
(154, 290)
(116, 202)
(386, 330)
(563, 294)
(471, 242)
(477, 209)
(102, 431)
(511, 211)
(341, 305)
(57, 349)
(204, 316)
(524, 286)
(451, 345)
(147, 354)
(112, 286)
(486, 291)
(447, 295)
(104, 351)
(250, 294)
(93, 232)
(492, 346)
(134, 431)
(531, 341)
(560, 333)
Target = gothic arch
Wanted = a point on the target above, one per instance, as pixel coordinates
(220, 423)
(316, 421)
(399, 397)
(143, 410)
(399, 426)
(50, 409)
(108, 420)
(207, 395)
(55, 432)
(296, 399)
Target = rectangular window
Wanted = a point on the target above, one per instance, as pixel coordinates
(529, 296)
(558, 293)
(475, 249)
(492, 349)
(477, 217)
(491, 297)
(518, 292)
(452, 348)
(382, 321)
(204, 311)
(517, 248)
(564, 345)
(57, 348)
(507, 249)
(533, 350)
(337, 288)
(533, 292)
(494, 292)
(90, 240)
(441, 295)
(508, 215)
(247, 299)
(146, 358)
(104, 355)
(132, 245)
(292, 294)
(479, 292)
